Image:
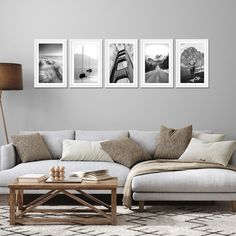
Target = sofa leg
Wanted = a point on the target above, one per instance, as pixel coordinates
(234, 206)
(141, 206)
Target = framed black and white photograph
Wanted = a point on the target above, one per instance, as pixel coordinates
(121, 63)
(192, 63)
(50, 63)
(156, 63)
(85, 63)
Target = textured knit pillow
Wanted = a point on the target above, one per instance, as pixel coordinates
(214, 152)
(31, 147)
(75, 150)
(173, 142)
(125, 151)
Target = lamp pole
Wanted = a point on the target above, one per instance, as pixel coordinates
(3, 118)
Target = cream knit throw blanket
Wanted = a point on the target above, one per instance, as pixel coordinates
(157, 166)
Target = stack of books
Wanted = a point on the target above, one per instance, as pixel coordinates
(95, 175)
(31, 178)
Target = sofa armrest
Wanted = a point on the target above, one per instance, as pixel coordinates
(8, 157)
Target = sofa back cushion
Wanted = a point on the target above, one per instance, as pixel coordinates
(54, 140)
(90, 135)
(146, 139)
(149, 139)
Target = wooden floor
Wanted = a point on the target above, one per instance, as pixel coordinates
(4, 202)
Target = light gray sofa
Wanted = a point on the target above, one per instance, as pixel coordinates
(198, 184)
(53, 139)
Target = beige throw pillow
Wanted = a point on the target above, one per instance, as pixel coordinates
(125, 151)
(31, 147)
(209, 137)
(217, 152)
(173, 142)
(76, 150)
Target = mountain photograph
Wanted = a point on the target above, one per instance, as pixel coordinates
(192, 65)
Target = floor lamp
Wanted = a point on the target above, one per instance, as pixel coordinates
(10, 79)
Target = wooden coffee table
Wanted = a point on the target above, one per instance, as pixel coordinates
(101, 213)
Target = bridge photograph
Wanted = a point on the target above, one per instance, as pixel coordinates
(121, 63)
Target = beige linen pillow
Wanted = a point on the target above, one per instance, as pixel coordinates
(78, 150)
(125, 151)
(31, 147)
(209, 137)
(173, 142)
(217, 152)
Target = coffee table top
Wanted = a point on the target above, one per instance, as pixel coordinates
(104, 184)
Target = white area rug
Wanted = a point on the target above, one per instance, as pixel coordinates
(159, 220)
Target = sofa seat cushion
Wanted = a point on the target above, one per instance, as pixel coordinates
(43, 167)
(197, 180)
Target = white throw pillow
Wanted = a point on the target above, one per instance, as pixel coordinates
(75, 150)
(217, 152)
(209, 137)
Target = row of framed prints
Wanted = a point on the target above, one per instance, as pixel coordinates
(121, 63)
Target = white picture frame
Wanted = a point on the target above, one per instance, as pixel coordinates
(50, 63)
(192, 63)
(87, 54)
(156, 63)
(127, 75)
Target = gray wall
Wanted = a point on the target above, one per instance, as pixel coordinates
(51, 109)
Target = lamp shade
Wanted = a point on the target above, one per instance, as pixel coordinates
(11, 76)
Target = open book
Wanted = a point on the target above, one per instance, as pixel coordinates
(94, 175)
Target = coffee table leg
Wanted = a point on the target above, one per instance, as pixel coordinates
(12, 202)
(20, 200)
(113, 206)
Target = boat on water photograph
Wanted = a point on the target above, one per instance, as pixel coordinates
(86, 63)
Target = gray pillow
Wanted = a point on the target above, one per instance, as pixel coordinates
(173, 142)
(31, 147)
(125, 151)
